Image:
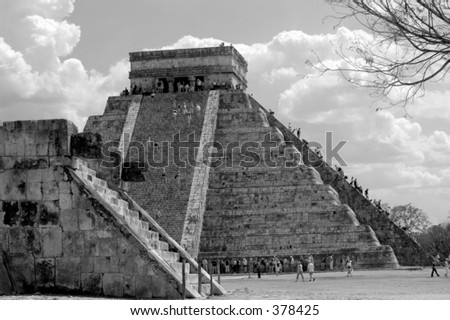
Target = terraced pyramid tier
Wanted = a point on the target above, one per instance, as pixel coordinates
(279, 208)
(407, 250)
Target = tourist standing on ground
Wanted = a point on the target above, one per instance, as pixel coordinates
(271, 265)
(433, 266)
(277, 266)
(285, 265)
(349, 268)
(300, 269)
(322, 264)
(258, 268)
(331, 261)
(311, 268)
(446, 267)
(244, 265)
(343, 262)
(291, 264)
(205, 265)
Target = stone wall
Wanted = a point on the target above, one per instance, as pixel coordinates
(54, 236)
(407, 250)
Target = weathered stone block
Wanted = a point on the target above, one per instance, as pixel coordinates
(15, 188)
(51, 242)
(24, 241)
(34, 191)
(91, 283)
(30, 150)
(48, 213)
(86, 145)
(144, 287)
(64, 187)
(86, 219)
(65, 201)
(50, 191)
(75, 190)
(91, 246)
(60, 174)
(42, 148)
(48, 174)
(69, 220)
(107, 247)
(68, 273)
(129, 286)
(4, 238)
(87, 264)
(127, 265)
(73, 244)
(113, 284)
(11, 214)
(102, 264)
(28, 214)
(23, 272)
(143, 268)
(45, 273)
(6, 287)
(159, 287)
(34, 175)
(124, 247)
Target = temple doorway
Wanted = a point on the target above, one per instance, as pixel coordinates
(179, 83)
(163, 85)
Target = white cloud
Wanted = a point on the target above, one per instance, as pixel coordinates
(60, 36)
(36, 81)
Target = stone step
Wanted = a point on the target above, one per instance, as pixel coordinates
(163, 245)
(170, 256)
(178, 266)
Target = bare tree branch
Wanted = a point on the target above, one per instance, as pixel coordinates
(409, 47)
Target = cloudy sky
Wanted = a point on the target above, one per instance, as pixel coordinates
(63, 58)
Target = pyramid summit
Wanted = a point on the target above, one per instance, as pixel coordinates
(183, 165)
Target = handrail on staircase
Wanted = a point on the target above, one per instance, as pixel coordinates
(183, 253)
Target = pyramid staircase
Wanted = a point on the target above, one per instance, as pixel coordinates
(161, 247)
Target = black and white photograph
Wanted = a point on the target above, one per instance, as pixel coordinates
(215, 159)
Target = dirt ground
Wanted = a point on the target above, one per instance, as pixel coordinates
(399, 284)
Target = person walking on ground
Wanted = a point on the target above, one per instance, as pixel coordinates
(433, 266)
(258, 268)
(271, 265)
(349, 268)
(277, 266)
(446, 267)
(343, 263)
(250, 267)
(291, 264)
(300, 269)
(311, 269)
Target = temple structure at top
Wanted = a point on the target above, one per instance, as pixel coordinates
(167, 71)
